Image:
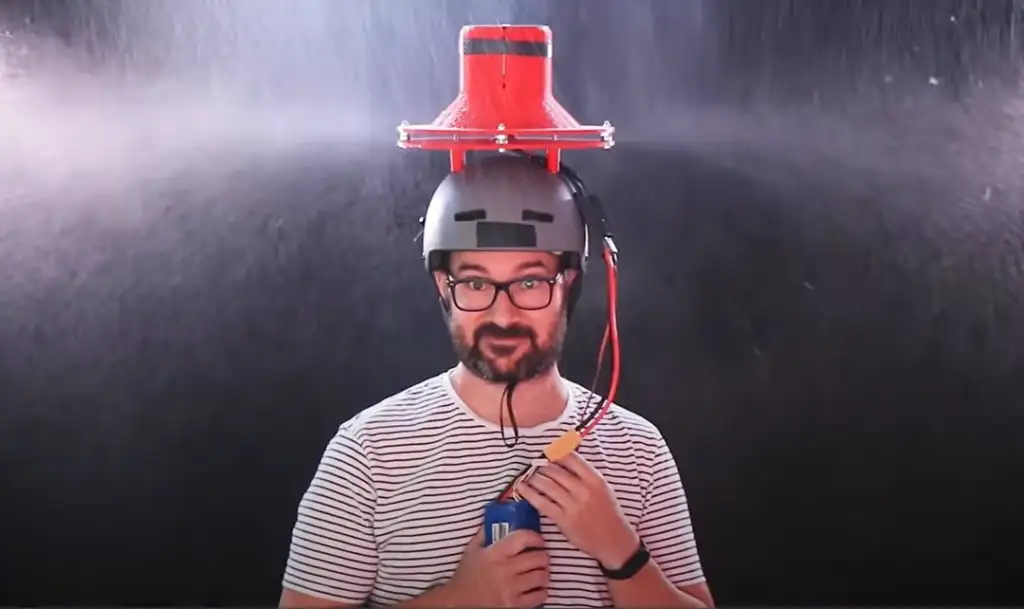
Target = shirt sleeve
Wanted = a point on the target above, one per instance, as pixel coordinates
(333, 552)
(665, 525)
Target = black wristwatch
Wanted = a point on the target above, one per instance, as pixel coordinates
(629, 568)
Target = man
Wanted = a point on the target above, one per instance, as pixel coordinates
(393, 516)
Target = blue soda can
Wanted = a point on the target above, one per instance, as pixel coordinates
(503, 517)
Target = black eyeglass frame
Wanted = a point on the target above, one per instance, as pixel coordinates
(504, 286)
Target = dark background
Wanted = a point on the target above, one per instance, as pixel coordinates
(819, 207)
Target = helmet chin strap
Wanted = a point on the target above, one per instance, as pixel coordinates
(575, 291)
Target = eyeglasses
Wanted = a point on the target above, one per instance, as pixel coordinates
(528, 293)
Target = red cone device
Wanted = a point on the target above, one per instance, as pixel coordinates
(505, 101)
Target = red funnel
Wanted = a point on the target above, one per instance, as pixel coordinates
(505, 101)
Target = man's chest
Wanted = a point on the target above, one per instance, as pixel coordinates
(428, 513)
(416, 553)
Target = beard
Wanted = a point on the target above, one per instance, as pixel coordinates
(501, 369)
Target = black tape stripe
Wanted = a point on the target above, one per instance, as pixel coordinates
(530, 215)
(471, 215)
(501, 46)
(505, 234)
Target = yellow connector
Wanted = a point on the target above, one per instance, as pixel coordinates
(563, 446)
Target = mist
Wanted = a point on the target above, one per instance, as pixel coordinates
(125, 91)
(117, 91)
(171, 126)
(208, 261)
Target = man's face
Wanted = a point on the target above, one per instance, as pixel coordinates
(496, 339)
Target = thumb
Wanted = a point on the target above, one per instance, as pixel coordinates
(477, 542)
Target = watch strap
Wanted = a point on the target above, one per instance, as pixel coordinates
(632, 565)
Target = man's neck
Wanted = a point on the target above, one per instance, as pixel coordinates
(534, 402)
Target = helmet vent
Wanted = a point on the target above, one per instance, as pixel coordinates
(471, 215)
(530, 215)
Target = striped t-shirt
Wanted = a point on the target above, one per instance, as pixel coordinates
(402, 486)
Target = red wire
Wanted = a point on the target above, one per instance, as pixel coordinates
(612, 332)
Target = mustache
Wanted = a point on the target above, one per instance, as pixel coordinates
(495, 331)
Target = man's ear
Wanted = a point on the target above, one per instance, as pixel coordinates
(443, 295)
(440, 282)
(571, 275)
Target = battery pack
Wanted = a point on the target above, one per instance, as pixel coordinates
(503, 517)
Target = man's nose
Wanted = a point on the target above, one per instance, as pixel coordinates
(503, 311)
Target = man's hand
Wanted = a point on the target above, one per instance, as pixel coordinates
(576, 497)
(510, 573)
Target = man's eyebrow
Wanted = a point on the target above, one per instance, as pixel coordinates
(469, 266)
(531, 265)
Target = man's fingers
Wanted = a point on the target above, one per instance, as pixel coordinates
(575, 464)
(539, 500)
(561, 476)
(528, 561)
(529, 582)
(561, 495)
(534, 599)
(478, 539)
(517, 541)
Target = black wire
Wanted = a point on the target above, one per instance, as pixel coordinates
(607, 345)
(593, 388)
(579, 192)
(506, 403)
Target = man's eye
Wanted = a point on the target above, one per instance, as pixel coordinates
(476, 285)
(528, 284)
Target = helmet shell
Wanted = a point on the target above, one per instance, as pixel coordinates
(504, 203)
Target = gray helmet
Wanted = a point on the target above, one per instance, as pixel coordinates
(504, 202)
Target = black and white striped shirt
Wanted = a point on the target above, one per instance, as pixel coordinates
(401, 489)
